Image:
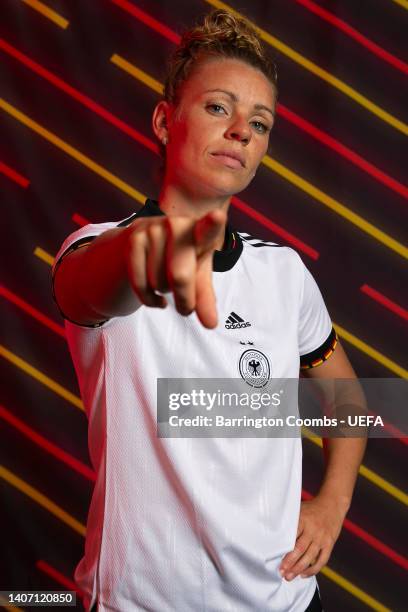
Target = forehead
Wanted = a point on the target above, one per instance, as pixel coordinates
(246, 81)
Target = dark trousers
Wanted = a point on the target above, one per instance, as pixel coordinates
(314, 606)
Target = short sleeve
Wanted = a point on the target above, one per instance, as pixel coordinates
(317, 337)
(80, 238)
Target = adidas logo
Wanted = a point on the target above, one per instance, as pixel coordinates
(234, 321)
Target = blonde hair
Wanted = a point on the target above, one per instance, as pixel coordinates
(220, 34)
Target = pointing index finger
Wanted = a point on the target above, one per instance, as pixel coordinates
(208, 231)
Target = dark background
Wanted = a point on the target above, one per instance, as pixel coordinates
(40, 546)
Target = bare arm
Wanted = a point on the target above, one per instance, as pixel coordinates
(343, 456)
(321, 519)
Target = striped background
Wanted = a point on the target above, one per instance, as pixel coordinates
(79, 81)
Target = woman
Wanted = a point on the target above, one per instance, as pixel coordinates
(193, 524)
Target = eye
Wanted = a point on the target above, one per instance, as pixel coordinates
(215, 106)
(261, 127)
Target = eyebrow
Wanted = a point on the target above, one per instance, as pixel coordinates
(235, 98)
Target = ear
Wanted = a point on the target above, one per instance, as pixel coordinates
(161, 120)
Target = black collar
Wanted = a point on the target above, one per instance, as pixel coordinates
(222, 260)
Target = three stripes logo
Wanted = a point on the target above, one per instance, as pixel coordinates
(234, 321)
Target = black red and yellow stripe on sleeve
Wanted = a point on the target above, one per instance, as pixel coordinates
(321, 354)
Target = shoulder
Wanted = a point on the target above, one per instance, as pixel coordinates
(269, 251)
(256, 242)
(85, 234)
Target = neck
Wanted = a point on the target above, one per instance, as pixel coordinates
(175, 202)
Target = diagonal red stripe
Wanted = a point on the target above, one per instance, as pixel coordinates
(342, 150)
(266, 222)
(77, 95)
(59, 577)
(355, 34)
(79, 220)
(148, 20)
(46, 445)
(385, 301)
(18, 301)
(369, 539)
(14, 176)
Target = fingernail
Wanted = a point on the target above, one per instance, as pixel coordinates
(289, 577)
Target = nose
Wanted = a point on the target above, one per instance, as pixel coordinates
(239, 130)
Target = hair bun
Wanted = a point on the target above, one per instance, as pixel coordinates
(223, 28)
(219, 33)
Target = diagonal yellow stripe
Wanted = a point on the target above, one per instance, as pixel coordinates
(137, 73)
(384, 484)
(372, 603)
(42, 500)
(47, 12)
(403, 3)
(42, 378)
(64, 146)
(371, 352)
(320, 72)
(39, 252)
(336, 206)
(7, 606)
(377, 480)
(291, 177)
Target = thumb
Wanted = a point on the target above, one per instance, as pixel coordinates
(208, 231)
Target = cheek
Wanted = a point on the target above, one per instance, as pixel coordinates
(204, 134)
(194, 149)
(262, 151)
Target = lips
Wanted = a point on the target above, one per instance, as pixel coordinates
(230, 155)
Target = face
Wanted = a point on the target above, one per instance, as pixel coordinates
(226, 109)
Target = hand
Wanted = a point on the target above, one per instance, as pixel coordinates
(320, 523)
(175, 253)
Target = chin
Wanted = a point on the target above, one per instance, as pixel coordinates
(232, 188)
(222, 185)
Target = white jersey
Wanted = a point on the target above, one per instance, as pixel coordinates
(195, 524)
